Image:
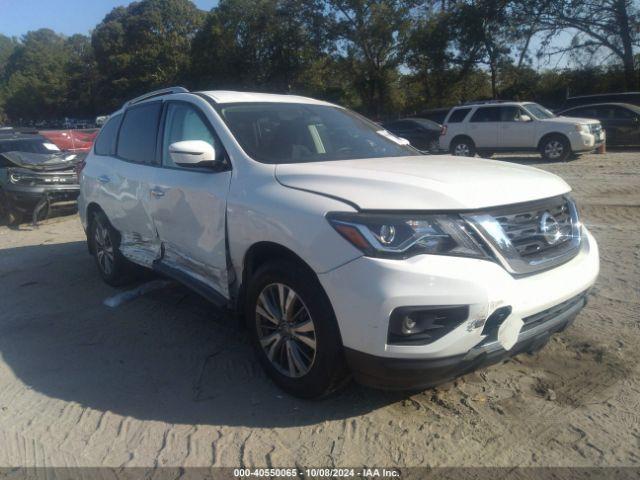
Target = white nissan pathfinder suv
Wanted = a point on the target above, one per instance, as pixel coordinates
(346, 252)
(498, 126)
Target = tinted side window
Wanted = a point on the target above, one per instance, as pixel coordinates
(486, 114)
(137, 139)
(509, 114)
(106, 141)
(620, 113)
(458, 115)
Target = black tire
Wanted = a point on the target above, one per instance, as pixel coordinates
(555, 148)
(463, 147)
(104, 239)
(325, 368)
(9, 214)
(14, 218)
(485, 154)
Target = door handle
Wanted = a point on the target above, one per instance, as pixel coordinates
(157, 192)
(104, 179)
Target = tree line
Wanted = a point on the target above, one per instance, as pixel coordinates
(382, 57)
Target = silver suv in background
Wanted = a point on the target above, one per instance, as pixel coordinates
(487, 128)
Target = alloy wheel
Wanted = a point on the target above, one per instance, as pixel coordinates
(462, 150)
(554, 149)
(104, 248)
(286, 331)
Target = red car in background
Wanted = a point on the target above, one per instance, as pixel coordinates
(71, 140)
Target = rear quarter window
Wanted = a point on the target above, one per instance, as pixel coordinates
(458, 115)
(106, 141)
(138, 133)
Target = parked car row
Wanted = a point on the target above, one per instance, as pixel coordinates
(617, 113)
(346, 251)
(517, 126)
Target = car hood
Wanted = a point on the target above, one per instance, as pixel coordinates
(43, 161)
(563, 119)
(440, 182)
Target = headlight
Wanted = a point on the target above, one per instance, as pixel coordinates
(583, 128)
(403, 236)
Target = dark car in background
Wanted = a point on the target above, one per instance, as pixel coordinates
(35, 176)
(621, 121)
(423, 134)
(435, 114)
(620, 97)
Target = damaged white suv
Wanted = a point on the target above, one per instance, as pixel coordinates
(345, 250)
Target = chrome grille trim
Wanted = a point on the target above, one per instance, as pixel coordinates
(515, 235)
(595, 128)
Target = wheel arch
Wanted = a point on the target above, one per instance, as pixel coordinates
(461, 136)
(257, 255)
(549, 135)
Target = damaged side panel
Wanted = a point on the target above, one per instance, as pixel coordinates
(189, 219)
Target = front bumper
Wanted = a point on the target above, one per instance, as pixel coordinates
(407, 374)
(25, 198)
(581, 142)
(365, 291)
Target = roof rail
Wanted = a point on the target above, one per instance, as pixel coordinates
(156, 93)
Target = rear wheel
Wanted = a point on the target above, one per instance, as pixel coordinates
(294, 331)
(112, 266)
(555, 148)
(463, 147)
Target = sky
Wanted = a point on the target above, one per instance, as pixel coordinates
(17, 17)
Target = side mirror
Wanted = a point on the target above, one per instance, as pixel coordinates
(525, 118)
(192, 153)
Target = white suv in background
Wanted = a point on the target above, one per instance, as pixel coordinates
(345, 250)
(489, 127)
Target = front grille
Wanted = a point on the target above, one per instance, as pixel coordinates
(595, 128)
(553, 312)
(524, 228)
(531, 237)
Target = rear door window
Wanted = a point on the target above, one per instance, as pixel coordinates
(106, 141)
(486, 114)
(458, 115)
(137, 139)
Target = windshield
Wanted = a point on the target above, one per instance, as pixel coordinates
(300, 133)
(28, 146)
(539, 111)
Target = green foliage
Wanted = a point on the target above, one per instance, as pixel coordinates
(34, 76)
(143, 46)
(269, 45)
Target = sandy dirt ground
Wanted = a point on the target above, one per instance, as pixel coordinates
(166, 380)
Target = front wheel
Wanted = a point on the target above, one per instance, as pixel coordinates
(294, 331)
(463, 148)
(555, 148)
